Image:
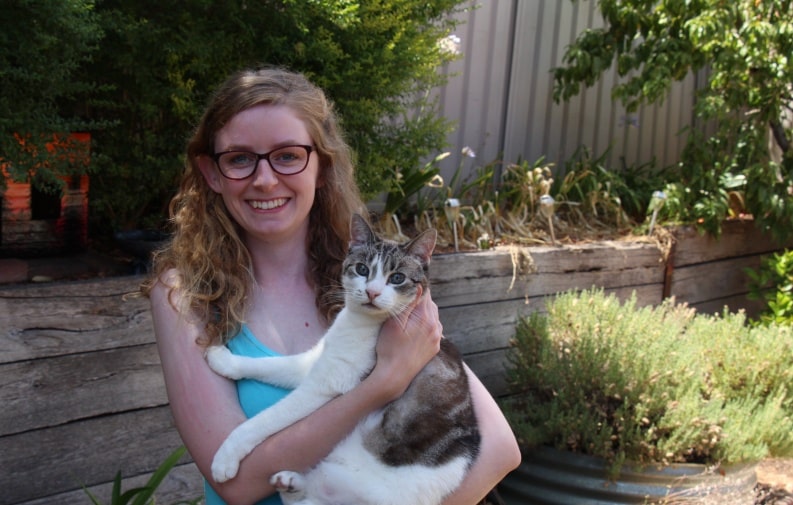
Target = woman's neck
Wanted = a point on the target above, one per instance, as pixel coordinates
(274, 263)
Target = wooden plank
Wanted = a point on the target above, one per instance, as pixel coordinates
(752, 308)
(715, 280)
(648, 294)
(70, 318)
(183, 483)
(568, 258)
(41, 393)
(461, 279)
(54, 460)
(481, 327)
(489, 368)
(738, 238)
(105, 286)
(480, 290)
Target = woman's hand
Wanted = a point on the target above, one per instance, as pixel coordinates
(406, 344)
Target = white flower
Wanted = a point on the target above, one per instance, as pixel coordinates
(450, 44)
(436, 182)
(467, 151)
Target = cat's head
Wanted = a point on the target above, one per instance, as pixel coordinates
(382, 277)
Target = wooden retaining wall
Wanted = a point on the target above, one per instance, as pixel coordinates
(80, 378)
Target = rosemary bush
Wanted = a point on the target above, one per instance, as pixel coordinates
(650, 384)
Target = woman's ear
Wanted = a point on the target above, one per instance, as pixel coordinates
(210, 172)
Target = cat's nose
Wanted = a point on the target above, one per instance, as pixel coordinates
(372, 294)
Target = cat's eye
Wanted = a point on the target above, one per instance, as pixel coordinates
(397, 278)
(362, 270)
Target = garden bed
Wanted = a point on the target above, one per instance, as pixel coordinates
(81, 380)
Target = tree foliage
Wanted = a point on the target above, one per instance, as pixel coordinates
(746, 48)
(141, 89)
(160, 61)
(42, 45)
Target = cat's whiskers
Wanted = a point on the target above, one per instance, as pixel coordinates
(399, 309)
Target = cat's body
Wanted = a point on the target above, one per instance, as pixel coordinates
(417, 449)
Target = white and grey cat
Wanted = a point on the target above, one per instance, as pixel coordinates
(415, 450)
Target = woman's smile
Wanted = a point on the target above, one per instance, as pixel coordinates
(268, 204)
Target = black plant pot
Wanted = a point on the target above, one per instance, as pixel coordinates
(141, 244)
(549, 476)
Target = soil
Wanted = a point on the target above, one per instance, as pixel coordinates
(775, 482)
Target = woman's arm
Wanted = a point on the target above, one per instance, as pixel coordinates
(499, 453)
(206, 409)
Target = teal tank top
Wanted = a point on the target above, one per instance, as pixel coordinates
(254, 396)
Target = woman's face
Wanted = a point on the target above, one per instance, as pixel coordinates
(269, 207)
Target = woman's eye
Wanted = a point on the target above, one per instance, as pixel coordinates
(286, 157)
(397, 278)
(240, 159)
(362, 270)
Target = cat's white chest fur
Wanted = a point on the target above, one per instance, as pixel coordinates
(334, 366)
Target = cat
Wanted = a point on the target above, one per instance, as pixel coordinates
(415, 450)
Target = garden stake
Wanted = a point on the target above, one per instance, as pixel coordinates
(546, 207)
(452, 210)
(656, 202)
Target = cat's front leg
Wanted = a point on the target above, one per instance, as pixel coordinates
(290, 485)
(239, 444)
(284, 371)
(245, 437)
(223, 362)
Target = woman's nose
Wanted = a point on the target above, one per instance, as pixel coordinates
(264, 175)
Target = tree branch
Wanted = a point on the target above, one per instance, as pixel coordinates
(780, 135)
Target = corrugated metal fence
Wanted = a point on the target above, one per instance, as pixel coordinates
(500, 93)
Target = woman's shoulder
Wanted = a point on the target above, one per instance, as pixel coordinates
(168, 299)
(169, 278)
(165, 286)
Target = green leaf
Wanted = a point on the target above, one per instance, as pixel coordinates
(157, 477)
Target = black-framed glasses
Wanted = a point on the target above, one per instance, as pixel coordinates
(286, 160)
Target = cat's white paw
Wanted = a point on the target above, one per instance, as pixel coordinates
(288, 482)
(226, 464)
(221, 361)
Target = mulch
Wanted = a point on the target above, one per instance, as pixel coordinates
(768, 495)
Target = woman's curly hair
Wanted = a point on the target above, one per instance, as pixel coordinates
(214, 267)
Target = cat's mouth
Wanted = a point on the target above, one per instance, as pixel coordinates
(370, 306)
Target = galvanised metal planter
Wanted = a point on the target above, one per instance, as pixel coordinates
(549, 476)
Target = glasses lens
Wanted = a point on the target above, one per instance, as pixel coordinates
(289, 160)
(237, 165)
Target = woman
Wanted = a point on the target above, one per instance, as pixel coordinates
(262, 226)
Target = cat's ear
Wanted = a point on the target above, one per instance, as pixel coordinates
(423, 245)
(360, 232)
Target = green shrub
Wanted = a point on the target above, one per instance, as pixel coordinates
(746, 94)
(773, 283)
(614, 197)
(42, 45)
(650, 385)
(159, 61)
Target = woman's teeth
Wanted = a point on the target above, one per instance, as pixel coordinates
(267, 205)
